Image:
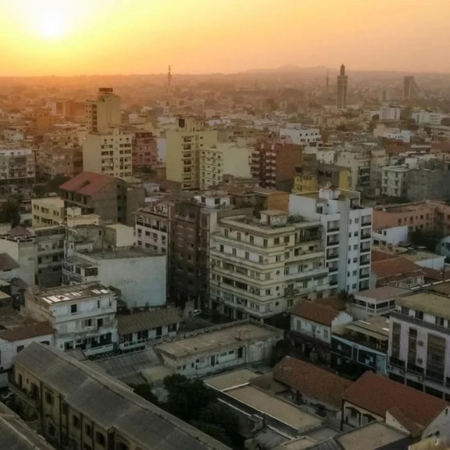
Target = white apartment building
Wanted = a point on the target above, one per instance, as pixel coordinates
(83, 315)
(347, 230)
(428, 117)
(108, 153)
(103, 113)
(302, 136)
(419, 343)
(152, 224)
(393, 181)
(389, 113)
(394, 134)
(139, 275)
(223, 159)
(182, 152)
(17, 165)
(47, 211)
(259, 268)
(358, 161)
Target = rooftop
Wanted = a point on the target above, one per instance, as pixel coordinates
(71, 293)
(87, 183)
(376, 327)
(7, 263)
(315, 312)
(395, 268)
(420, 408)
(132, 323)
(428, 302)
(230, 380)
(381, 294)
(109, 404)
(17, 435)
(57, 202)
(26, 331)
(216, 338)
(311, 381)
(274, 407)
(121, 253)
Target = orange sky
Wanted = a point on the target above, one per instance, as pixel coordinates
(71, 37)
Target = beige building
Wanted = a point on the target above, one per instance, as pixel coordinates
(184, 145)
(103, 113)
(53, 161)
(223, 159)
(47, 211)
(108, 153)
(259, 268)
(17, 165)
(78, 407)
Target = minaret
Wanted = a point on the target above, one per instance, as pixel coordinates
(342, 81)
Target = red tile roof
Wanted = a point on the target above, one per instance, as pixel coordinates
(432, 274)
(311, 381)
(315, 313)
(87, 183)
(26, 331)
(381, 256)
(332, 302)
(396, 266)
(378, 395)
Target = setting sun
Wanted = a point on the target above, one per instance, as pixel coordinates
(51, 24)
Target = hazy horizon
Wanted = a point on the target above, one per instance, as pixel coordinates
(199, 37)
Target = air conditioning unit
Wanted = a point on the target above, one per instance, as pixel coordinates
(419, 361)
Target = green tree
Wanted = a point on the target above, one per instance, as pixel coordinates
(145, 391)
(214, 431)
(187, 397)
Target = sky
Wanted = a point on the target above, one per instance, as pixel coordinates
(75, 37)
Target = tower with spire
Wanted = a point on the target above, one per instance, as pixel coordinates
(342, 82)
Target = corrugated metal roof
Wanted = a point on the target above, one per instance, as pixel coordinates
(110, 404)
(147, 320)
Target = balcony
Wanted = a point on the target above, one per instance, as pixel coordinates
(366, 236)
(333, 269)
(333, 229)
(332, 242)
(333, 283)
(398, 363)
(332, 256)
(366, 223)
(364, 276)
(364, 261)
(364, 248)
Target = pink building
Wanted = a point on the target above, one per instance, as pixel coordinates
(145, 151)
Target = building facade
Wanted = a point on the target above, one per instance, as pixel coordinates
(17, 165)
(47, 211)
(342, 87)
(144, 150)
(104, 112)
(347, 235)
(260, 267)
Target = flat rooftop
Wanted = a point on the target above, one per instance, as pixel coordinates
(374, 435)
(231, 380)
(71, 293)
(428, 302)
(274, 407)
(216, 338)
(135, 252)
(376, 326)
(57, 202)
(381, 294)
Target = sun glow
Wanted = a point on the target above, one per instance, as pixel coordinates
(51, 24)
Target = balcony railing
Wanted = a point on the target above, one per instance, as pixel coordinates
(397, 362)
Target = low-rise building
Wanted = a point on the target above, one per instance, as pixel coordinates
(139, 328)
(76, 406)
(47, 211)
(17, 165)
(312, 326)
(221, 347)
(15, 337)
(83, 315)
(373, 302)
(397, 271)
(139, 275)
(66, 161)
(377, 398)
(362, 345)
(16, 434)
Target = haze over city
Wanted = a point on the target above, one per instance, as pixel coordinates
(63, 37)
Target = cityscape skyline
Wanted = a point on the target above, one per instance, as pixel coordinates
(52, 37)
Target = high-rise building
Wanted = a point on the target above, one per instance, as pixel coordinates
(103, 113)
(342, 81)
(347, 235)
(410, 88)
(109, 153)
(262, 267)
(145, 150)
(274, 162)
(182, 154)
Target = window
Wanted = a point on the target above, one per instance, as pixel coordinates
(419, 315)
(439, 321)
(252, 239)
(100, 439)
(88, 430)
(73, 308)
(247, 255)
(64, 409)
(48, 398)
(276, 241)
(265, 242)
(325, 334)
(76, 422)
(88, 323)
(20, 348)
